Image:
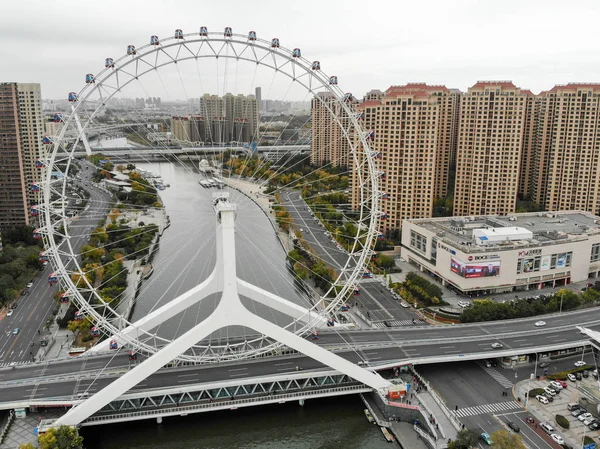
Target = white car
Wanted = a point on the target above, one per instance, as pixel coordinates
(10, 312)
(540, 323)
(497, 345)
(29, 285)
(584, 416)
(404, 304)
(580, 363)
(571, 377)
(542, 399)
(463, 304)
(556, 384)
(556, 437)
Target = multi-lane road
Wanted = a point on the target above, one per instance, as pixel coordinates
(378, 347)
(34, 308)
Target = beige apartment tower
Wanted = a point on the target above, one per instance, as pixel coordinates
(493, 125)
(329, 145)
(21, 133)
(413, 139)
(565, 172)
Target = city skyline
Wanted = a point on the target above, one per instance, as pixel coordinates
(391, 55)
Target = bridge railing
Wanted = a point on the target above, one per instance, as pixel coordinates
(222, 404)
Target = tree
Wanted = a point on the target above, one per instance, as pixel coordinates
(63, 437)
(465, 439)
(26, 446)
(502, 439)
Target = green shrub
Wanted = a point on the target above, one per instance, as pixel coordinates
(562, 375)
(562, 421)
(588, 440)
(533, 393)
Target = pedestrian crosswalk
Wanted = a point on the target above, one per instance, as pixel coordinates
(497, 375)
(487, 408)
(22, 362)
(393, 323)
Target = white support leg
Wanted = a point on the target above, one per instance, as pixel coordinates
(282, 305)
(148, 367)
(162, 314)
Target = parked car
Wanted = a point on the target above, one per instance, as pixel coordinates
(556, 437)
(562, 383)
(513, 426)
(571, 377)
(550, 398)
(556, 384)
(595, 425)
(578, 376)
(586, 374)
(587, 422)
(542, 399)
(584, 416)
(577, 412)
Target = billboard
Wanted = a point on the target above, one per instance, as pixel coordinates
(561, 261)
(475, 270)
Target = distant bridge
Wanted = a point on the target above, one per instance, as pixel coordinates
(141, 153)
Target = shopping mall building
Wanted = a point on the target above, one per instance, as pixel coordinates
(495, 254)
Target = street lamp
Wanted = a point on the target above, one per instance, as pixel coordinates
(561, 301)
(534, 375)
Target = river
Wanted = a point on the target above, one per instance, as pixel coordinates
(184, 258)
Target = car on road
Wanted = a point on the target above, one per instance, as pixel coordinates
(542, 399)
(486, 438)
(16, 330)
(513, 426)
(29, 284)
(405, 304)
(497, 345)
(540, 323)
(571, 377)
(584, 416)
(544, 365)
(580, 363)
(10, 312)
(463, 304)
(556, 437)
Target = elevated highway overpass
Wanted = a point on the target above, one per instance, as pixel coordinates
(60, 382)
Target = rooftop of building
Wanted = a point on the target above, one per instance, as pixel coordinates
(548, 228)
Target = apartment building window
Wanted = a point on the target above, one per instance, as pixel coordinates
(418, 242)
(595, 256)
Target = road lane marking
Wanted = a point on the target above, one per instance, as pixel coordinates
(237, 375)
(237, 369)
(186, 375)
(280, 364)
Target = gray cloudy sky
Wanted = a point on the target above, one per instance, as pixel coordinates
(368, 44)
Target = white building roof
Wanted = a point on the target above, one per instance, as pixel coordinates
(488, 236)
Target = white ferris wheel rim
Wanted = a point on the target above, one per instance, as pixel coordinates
(123, 66)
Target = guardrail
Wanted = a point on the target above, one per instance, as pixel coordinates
(6, 427)
(440, 402)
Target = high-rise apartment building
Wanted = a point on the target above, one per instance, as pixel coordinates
(565, 172)
(493, 123)
(21, 133)
(329, 144)
(413, 128)
(231, 118)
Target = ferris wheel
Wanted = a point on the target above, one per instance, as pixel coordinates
(209, 126)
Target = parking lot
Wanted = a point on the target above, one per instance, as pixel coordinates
(572, 394)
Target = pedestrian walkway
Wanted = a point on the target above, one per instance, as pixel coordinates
(444, 426)
(393, 323)
(488, 409)
(497, 375)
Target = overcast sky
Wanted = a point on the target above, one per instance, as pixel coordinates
(368, 44)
